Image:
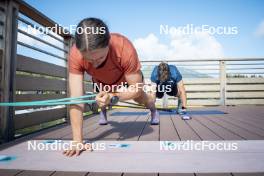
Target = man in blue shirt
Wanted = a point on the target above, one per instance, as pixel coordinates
(169, 81)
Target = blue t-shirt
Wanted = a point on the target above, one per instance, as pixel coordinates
(174, 72)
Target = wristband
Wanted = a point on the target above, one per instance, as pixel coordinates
(114, 100)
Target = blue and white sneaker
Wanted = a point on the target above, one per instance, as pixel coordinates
(184, 115)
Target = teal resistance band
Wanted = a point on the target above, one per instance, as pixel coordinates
(63, 101)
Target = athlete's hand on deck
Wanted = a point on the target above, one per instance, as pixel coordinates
(77, 149)
(103, 99)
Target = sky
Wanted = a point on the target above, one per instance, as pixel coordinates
(140, 21)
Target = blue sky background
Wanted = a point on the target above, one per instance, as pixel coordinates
(138, 18)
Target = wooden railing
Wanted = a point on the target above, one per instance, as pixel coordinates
(32, 71)
(213, 82)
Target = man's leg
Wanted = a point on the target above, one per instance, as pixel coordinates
(175, 93)
(181, 109)
(103, 112)
(103, 116)
(148, 100)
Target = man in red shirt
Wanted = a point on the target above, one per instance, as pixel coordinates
(110, 59)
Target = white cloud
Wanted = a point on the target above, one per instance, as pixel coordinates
(150, 48)
(260, 29)
(194, 46)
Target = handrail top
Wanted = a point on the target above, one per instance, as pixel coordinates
(206, 59)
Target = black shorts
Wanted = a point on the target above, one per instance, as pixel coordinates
(173, 91)
(126, 84)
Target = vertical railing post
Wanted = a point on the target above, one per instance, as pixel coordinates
(9, 46)
(69, 41)
(222, 77)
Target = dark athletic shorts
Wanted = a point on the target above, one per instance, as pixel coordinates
(173, 92)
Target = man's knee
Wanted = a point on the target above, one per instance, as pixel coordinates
(139, 98)
(145, 98)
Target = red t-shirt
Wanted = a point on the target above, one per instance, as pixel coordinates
(121, 59)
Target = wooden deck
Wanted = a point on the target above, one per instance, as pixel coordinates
(239, 123)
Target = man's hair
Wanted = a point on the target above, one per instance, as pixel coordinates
(91, 33)
(163, 72)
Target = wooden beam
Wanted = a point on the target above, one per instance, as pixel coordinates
(32, 65)
(30, 83)
(245, 80)
(36, 97)
(9, 68)
(38, 117)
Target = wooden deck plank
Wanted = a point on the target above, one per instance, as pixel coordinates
(34, 173)
(219, 130)
(201, 130)
(245, 126)
(184, 130)
(9, 172)
(104, 174)
(248, 174)
(122, 127)
(88, 126)
(52, 134)
(105, 130)
(213, 174)
(238, 130)
(134, 132)
(59, 133)
(167, 129)
(250, 118)
(176, 174)
(140, 174)
(66, 132)
(150, 132)
(61, 173)
(249, 112)
(251, 121)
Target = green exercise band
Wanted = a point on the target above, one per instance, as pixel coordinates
(62, 101)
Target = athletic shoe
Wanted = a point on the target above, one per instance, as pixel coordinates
(103, 118)
(184, 115)
(154, 118)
